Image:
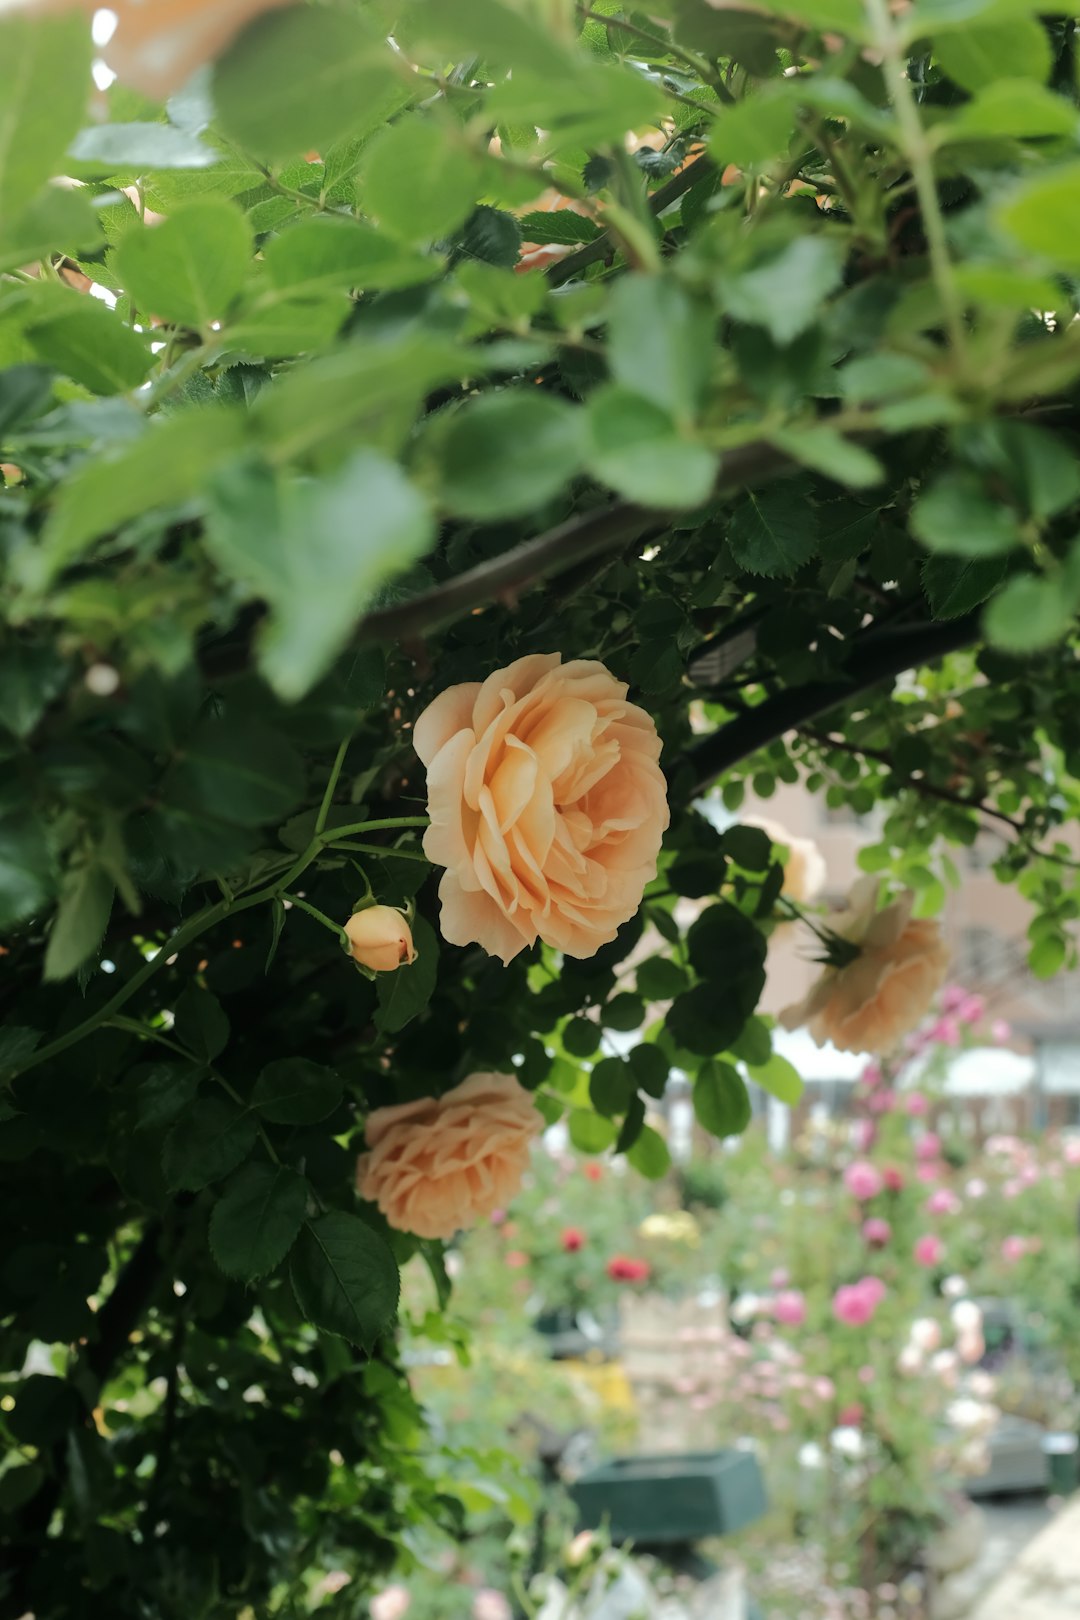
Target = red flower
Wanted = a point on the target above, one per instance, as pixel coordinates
(515, 1259)
(573, 1239)
(893, 1178)
(622, 1268)
(593, 1171)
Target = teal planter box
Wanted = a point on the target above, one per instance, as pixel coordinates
(686, 1497)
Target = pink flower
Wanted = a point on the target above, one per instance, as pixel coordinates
(515, 1259)
(1000, 1031)
(824, 1389)
(875, 1288)
(946, 1032)
(971, 1347)
(572, 1239)
(929, 1250)
(866, 1375)
(490, 1605)
(876, 1231)
(780, 1277)
(916, 1105)
(851, 1416)
(789, 1307)
(929, 1173)
(863, 1134)
(498, 1217)
(871, 1076)
(952, 998)
(392, 1603)
(863, 1180)
(893, 1178)
(855, 1303)
(1013, 1248)
(928, 1146)
(943, 1202)
(971, 1009)
(881, 1102)
(1072, 1152)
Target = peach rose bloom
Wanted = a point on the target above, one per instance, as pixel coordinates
(442, 1164)
(804, 869)
(158, 44)
(870, 1005)
(547, 806)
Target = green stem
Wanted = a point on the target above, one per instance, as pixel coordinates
(374, 826)
(381, 849)
(320, 916)
(216, 1074)
(184, 368)
(700, 65)
(331, 786)
(918, 152)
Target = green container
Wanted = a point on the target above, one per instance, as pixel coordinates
(1062, 1463)
(682, 1497)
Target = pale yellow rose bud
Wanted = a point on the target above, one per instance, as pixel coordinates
(380, 938)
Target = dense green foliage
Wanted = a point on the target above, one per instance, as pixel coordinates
(324, 452)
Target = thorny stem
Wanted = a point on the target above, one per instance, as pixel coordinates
(918, 152)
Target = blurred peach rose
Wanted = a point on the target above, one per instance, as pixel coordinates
(444, 1163)
(872, 1002)
(157, 44)
(547, 806)
(380, 938)
(804, 869)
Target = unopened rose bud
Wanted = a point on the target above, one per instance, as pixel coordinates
(380, 938)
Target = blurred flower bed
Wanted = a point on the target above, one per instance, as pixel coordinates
(833, 1308)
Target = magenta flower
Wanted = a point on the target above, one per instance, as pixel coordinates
(876, 1231)
(789, 1308)
(971, 1009)
(953, 997)
(1013, 1248)
(1000, 1031)
(855, 1303)
(916, 1105)
(946, 1032)
(928, 1146)
(929, 1250)
(871, 1076)
(929, 1172)
(863, 1180)
(943, 1202)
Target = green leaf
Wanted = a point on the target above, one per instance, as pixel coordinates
(208, 1141)
(166, 465)
(785, 294)
(703, 1022)
(589, 1132)
(335, 253)
(32, 675)
(749, 847)
(1043, 214)
(239, 771)
(107, 149)
(507, 453)
(1011, 107)
(721, 1100)
(581, 1037)
(780, 1078)
(623, 1012)
(659, 979)
(256, 1221)
(316, 551)
(830, 453)
(406, 992)
(610, 1087)
(649, 1154)
(635, 446)
(1047, 956)
(957, 516)
(44, 88)
(419, 180)
(295, 1091)
(301, 79)
(1041, 467)
(755, 129)
(57, 221)
(632, 1125)
(24, 394)
(650, 1068)
(1031, 612)
(660, 343)
(201, 1024)
(977, 56)
(954, 587)
(490, 236)
(86, 897)
(345, 1278)
(561, 226)
(27, 875)
(189, 268)
(164, 1092)
(288, 326)
(87, 342)
(773, 532)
